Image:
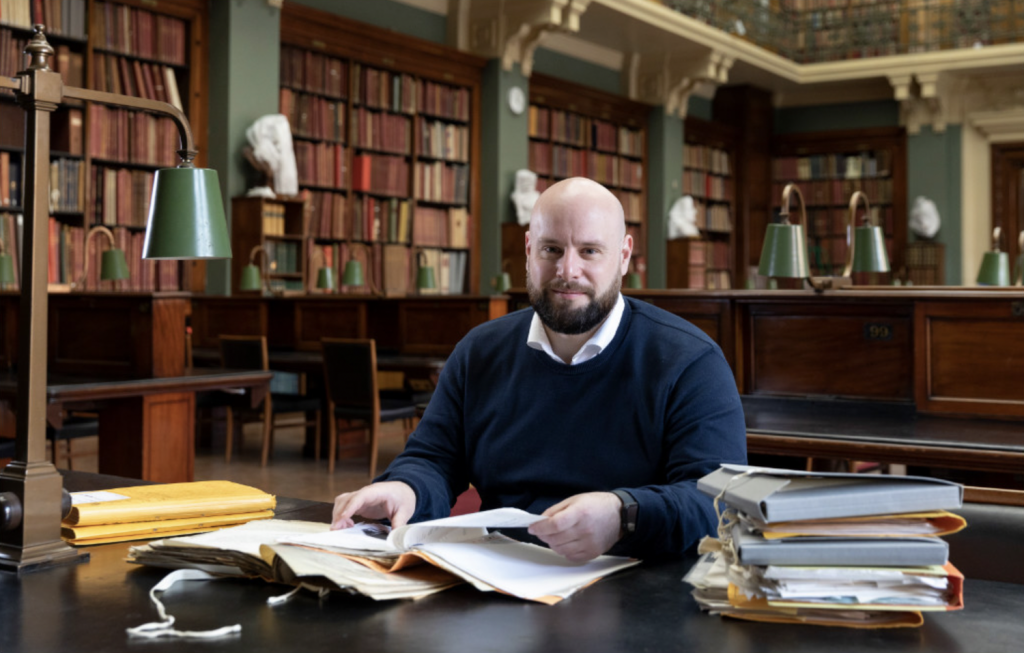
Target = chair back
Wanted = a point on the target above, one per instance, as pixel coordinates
(244, 352)
(350, 372)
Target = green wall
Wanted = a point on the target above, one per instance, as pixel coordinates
(664, 175)
(243, 87)
(387, 14)
(699, 107)
(859, 115)
(934, 161)
(555, 64)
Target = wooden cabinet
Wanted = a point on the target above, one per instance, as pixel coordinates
(278, 226)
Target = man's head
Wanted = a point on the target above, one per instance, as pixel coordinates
(577, 250)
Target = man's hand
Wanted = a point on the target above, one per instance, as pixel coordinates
(582, 527)
(392, 500)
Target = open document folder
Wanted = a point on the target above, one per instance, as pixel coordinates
(351, 558)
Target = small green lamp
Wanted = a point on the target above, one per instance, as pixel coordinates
(868, 244)
(1018, 272)
(252, 277)
(784, 253)
(633, 281)
(186, 215)
(995, 265)
(502, 283)
(353, 273)
(424, 274)
(113, 266)
(325, 279)
(6, 267)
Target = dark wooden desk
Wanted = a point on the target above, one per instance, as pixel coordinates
(88, 607)
(147, 426)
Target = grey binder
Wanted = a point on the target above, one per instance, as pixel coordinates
(774, 495)
(753, 549)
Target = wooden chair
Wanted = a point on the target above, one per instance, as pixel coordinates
(250, 352)
(350, 377)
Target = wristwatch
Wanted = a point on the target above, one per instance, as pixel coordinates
(627, 514)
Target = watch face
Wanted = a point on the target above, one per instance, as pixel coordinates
(516, 100)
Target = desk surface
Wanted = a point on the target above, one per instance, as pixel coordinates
(68, 388)
(647, 608)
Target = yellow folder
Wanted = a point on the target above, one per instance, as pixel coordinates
(106, 533)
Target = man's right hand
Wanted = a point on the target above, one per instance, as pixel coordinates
(392, 500)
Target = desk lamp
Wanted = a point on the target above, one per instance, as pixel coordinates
(867, 253)
(353, 275)
(784, 254)
(995, 265)
(7, 266)
(113, 266)
(325, 279)
(186, 221)
(425, 279)
(1018, 271)
(253, 278)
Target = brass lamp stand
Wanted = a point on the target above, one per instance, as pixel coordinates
(30, 487)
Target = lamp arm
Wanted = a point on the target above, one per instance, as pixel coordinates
(995, 238)
(88, 238)
(852, 225)
(263, 268)
(188, 149)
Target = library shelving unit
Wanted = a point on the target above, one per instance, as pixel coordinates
(828, 167)
(278, 226)
(925, 264)
(707, 262)
(386, 130)
(576, 131)
(103, 159)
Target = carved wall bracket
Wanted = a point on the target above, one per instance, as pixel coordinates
(671, 83)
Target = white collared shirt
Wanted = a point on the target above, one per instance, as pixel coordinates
(538, 337)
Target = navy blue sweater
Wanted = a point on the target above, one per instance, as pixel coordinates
(655, 411)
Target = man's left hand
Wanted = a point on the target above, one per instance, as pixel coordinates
(582, 527)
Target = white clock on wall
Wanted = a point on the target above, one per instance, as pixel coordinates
(516, 100)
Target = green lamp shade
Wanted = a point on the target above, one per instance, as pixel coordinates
(634, 281)
(869, 254)
(784, 253)
(186, 216)
(503, 282)
(113, 265)
(425, 278)
(6, 269)
(1018, 271)
(250, 278)
(353, 274)
(325, 279)
(995, 269)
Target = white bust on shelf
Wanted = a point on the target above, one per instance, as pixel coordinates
(924, 218)
(525, 195)
(682, 219)
(270, 151)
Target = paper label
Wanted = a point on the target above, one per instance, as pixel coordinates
(80, 498)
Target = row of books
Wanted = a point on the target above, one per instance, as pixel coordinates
(632, 204)
(283, 256)
(10, 179)
(132, 137)
(320, 164)
(326, 211)
(139, 33)
(381, 174)
(382, 89)
(829, 252)
(837, 192)
(378, 219)
(12, 57)
(70, 65)
(854, 550)
(115, 74)
(66, 262)
(834, 222)
(63, 17)
(442, 101)
(710, 159)
(314, 72)
(385, 132)
(441, 182)
(833, 166)
(549, 159)
(580, 131)
(699, 183)
(67, 185)
(437, 227)
(121, 196)
(442, 140)
(312, 116)
(713, 217)
(273, 219)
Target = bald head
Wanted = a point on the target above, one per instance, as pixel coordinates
(580, 197)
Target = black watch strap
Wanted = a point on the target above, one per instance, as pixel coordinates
(627, 513)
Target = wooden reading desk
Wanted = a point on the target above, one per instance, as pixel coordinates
(87, 607)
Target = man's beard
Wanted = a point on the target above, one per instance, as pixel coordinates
(565, 319)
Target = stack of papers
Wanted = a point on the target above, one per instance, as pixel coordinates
(148, 511)
(831, 549)
(372, 560)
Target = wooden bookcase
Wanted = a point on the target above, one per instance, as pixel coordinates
(709, 155)
(576, 131)
(103, 158)
(278, 226)
(387, 136)
(925, 264)
(828, 167)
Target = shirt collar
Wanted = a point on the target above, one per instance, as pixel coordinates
(538, 337)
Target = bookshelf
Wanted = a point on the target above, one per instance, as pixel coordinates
(103, 159)
(828, 167)
(387, 132)
(576, 131)
(277, 225)
(709, 155)
(925, 263)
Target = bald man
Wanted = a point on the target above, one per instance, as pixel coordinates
(597, 411)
